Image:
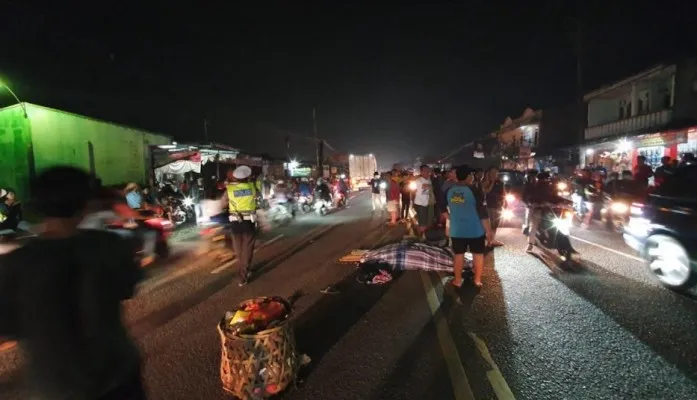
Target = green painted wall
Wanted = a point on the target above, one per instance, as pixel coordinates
(15, 141)
(117, 154)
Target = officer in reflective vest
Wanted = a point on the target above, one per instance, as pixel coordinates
(241, 194)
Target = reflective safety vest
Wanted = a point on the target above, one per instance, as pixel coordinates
(242, 198)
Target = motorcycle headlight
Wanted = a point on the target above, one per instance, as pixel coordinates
(507, 214)
(188, 202)
(510, 198)
(563, 225)
(562, 186)
(383, 185)
(619, 208)
(412, 186)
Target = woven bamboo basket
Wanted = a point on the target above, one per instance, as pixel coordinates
(258, 366)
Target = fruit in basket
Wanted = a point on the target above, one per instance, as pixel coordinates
(256, 316)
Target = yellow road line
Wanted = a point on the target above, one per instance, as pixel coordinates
(498, 383)
(458, 377)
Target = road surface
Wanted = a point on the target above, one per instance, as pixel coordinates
(603, 329)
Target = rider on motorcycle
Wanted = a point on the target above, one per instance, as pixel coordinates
(322, 190)
(342, 188)
(583, 190)
(543, 192)
(133, 196)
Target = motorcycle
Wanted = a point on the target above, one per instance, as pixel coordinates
(615, 211)
(160, 227)
(304, 203)
(280, 212)
(322, 207)
(554, 229)
(339, 199)
(182, 210)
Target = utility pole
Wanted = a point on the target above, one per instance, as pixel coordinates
(319, 143)
(579, 77)
(205, 130)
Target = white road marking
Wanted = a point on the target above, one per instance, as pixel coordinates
(232, 262)
(458, 377)
(498, 383)
(619, 253)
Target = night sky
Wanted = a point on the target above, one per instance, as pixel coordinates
(399, 81)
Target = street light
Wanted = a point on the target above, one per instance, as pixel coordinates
(24, 107)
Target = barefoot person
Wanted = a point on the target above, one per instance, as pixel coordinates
(469, 225)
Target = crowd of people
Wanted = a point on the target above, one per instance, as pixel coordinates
(463, 204)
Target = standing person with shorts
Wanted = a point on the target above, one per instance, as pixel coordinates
(469, 226)
(423, 195)
(393, 195)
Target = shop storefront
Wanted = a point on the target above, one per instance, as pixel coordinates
(657, 145)
(613, 156)
(621, 155)
(690, 146)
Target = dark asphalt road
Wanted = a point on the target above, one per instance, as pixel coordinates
(603, 329)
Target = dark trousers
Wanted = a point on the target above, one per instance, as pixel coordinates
(406, 203)
(243, 245)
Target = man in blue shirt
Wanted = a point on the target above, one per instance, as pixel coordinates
(469, 225)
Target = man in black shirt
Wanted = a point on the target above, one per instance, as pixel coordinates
(375, 190)
(61, 294)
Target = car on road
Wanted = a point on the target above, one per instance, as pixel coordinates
(662, 230)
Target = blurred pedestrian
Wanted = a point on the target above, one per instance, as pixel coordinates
(393, 195)
(423, 199)
(406, 196)
(495, 196)
(60, 297)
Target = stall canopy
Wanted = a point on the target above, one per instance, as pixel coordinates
(182, 158)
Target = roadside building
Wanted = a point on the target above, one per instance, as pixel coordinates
(34, 137)
(653, 113)
(518, 139)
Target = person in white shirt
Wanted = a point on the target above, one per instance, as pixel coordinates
(423, 199)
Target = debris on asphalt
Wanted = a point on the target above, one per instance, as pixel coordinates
(330, 290)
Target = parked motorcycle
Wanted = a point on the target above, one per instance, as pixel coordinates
(554, 230)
